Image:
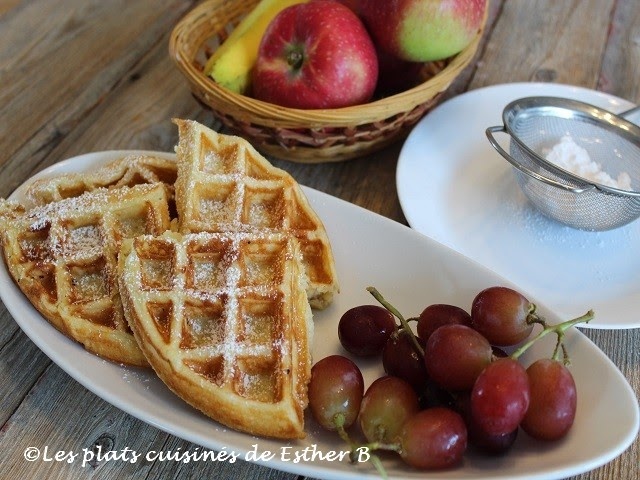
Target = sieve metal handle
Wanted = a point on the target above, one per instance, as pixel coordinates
(627, 114)
(494, 143)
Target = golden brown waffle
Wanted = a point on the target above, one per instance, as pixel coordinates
(224, 320)
(10, 210)
(225, 185)
(126, 171)
(63, 256)
(221, 309)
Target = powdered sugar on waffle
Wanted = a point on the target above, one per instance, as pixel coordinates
(89, 209)
(225, 185)
(227, 337)
(130, 170)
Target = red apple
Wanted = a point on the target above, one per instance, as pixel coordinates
(315, 55)
(422, 30)
(354, 5)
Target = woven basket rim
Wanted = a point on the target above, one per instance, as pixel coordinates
(370, 112)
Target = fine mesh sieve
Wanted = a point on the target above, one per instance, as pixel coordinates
(536, 124)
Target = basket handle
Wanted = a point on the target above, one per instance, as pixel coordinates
(494, 143)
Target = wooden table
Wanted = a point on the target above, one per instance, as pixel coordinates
(80, 76)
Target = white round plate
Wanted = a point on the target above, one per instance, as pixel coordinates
(411, 271)
(455, 188)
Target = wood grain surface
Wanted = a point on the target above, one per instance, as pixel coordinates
(82, 76)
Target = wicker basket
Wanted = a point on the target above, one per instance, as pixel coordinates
(307, 136)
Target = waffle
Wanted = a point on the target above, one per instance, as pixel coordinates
(224, 320)
(127, 171)
(221, 309)
(63, 256)
(225, 185)
(10, 210)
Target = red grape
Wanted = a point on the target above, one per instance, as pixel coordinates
(455, 355)
(440, 314)
(400, 358)
(451, 385)
(433, 395)
(482, 441)
(553, 400)
(500, 397)
(336, 388)
(365, 329)
(434, 438)
(387, 404)
(491, 444)
(502, 315)
(498, 352)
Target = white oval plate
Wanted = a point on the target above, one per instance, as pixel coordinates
(412, 271)
(455, 188)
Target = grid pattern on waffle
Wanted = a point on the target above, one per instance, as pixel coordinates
(64, 257)
(130, 170)
(225, 185)
(226, 309)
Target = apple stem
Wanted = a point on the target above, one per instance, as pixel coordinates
(295, 59)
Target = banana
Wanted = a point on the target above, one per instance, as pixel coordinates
(231, 64)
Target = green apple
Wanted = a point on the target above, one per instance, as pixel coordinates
(422, 30)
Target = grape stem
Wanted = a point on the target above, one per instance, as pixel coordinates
(560, 330)
(405, 325)
(533, 318)
(338, 421)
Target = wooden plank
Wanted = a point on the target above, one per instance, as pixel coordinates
(21, 364)
(77, 61)
(7, 6)
(535, 41)
(622, 348)
(137, 114)
(620, 74)
(60, 415)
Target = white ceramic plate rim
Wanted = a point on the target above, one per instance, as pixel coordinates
(139, 393)
(455, 188)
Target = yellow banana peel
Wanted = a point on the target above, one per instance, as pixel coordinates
(231, 64)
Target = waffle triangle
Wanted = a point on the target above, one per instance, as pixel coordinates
(224, 320)
(63, 256)
(224, 184)
(126, 171)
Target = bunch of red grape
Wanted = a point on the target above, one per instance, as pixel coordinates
(448, 385)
